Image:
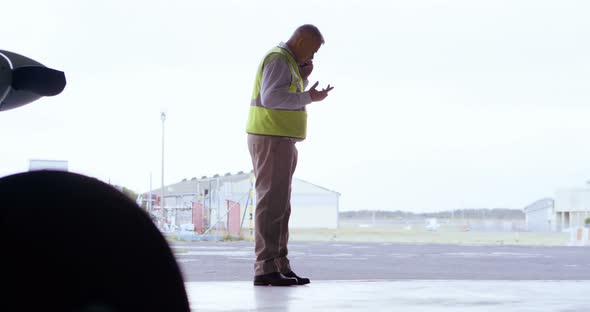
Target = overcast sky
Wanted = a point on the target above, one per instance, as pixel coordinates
(437, 104)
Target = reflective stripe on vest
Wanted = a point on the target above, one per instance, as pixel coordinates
(266, 121)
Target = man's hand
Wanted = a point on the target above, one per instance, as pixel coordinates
(316, 95)
(305, 69)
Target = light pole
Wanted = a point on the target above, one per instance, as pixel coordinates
(149, 202)
(162, 200)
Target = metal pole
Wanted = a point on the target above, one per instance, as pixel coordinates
(163, 192)
(217, 200)
(149, 201)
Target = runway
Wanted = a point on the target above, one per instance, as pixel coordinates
(233, 261)
(391, 277)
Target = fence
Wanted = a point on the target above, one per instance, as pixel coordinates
(218, 210)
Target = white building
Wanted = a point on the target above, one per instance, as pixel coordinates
(569, 209)
(48, 164)
(572, 207)
(540, 215)
(312, 206)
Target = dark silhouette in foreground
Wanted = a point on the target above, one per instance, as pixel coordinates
(73, 243)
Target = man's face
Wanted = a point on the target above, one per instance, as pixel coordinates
(307, 49)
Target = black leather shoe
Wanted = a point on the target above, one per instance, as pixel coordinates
(274, 279)
(300, 280)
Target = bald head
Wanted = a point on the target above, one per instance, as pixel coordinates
(305, 42)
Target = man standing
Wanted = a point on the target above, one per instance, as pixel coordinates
(277, 120)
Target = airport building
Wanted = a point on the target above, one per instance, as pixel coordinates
(572, 207)
(569, 209)
(228, 203)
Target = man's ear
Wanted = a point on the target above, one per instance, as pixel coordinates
(300, 42)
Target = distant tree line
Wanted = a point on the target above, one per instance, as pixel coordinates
(496, 213)
(127, 191)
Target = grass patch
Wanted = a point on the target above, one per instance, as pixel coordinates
(231, 238)
(413, 236)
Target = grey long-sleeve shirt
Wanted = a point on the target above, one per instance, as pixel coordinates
(274, 89)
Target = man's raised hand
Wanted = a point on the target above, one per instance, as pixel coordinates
(318, 95)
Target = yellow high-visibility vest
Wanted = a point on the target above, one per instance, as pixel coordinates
(279, 122)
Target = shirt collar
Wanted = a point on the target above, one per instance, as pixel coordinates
(284, 46)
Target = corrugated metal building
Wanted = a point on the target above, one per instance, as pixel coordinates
(312, 206)
(539, 216)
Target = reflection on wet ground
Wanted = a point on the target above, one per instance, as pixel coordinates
(382, 295)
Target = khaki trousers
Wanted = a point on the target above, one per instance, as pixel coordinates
(274, 160)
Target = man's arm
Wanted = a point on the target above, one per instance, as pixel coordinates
(274, 90)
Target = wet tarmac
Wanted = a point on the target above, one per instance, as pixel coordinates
(391, 277)
(233, 261)
(387, 295)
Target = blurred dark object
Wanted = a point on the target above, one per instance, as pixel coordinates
(23, 80)
(74, 243)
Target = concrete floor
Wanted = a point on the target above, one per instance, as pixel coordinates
(393, 295)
